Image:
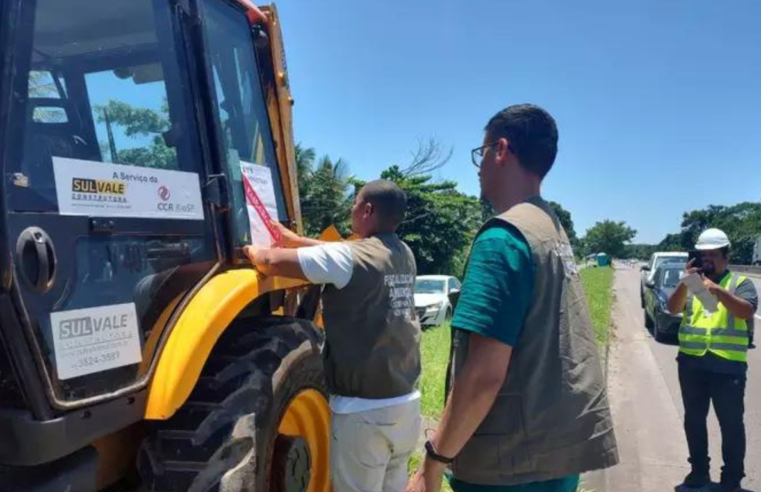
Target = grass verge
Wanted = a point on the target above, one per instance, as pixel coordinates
(434, 348)
(598, 286)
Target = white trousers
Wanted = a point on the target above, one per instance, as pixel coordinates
(369, 450)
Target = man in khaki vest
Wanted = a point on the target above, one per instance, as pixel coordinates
(372, 352)
(527, 410)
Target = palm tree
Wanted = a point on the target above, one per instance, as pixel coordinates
(326, 201)
(304, 159)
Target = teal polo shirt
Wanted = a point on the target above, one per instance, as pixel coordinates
(495, 298)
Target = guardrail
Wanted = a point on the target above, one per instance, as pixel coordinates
(754, 270)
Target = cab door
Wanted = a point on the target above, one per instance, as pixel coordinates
(240, 102)
(104, 180)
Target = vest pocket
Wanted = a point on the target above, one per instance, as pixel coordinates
(479, 460)
(500, 445)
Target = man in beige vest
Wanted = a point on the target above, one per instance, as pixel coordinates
(527, 410)
(372, 352)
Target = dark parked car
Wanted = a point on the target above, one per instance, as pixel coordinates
(657, 292)
(656, 261)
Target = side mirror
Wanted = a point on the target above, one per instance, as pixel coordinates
(645, 268)
(650, 284)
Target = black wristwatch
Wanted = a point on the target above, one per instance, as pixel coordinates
(430, 451)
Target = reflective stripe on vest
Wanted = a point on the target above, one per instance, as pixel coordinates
(720, 333)
(730, 346)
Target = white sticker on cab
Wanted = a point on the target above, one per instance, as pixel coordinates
(96, 339)
(99, 189)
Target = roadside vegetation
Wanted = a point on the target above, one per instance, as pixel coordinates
(598, 285)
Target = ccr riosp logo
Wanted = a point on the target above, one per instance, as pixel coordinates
(164, 193)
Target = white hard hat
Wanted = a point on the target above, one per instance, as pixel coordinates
(712, 239)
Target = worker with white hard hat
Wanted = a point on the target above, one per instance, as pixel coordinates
(712, 239)
(713, 359)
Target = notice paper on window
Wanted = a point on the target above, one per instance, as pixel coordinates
(695, 285)
(261, 204)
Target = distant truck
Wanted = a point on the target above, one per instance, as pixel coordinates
(757, 252)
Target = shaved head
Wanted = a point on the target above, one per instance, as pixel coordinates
(388, 200)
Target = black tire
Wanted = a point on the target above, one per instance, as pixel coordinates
(448, 316)
(657, 334)
(224, 437)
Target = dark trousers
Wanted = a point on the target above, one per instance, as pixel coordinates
(727, 393)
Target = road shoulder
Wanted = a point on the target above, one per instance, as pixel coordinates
(647, 423)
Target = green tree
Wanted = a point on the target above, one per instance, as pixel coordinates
(741, 222)
(440, 223)
(566, 221)
(305, 157)
(148, 126)
(487, 211)
(609, 237)
(641, 251)
(673, 242)
(325, 198)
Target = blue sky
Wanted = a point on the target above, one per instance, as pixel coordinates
(658, 102)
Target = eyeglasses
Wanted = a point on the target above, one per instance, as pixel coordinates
(477, 154)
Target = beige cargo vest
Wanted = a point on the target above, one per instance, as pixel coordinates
(551, 418)
(372, 334)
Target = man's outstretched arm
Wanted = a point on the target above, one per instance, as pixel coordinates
(292, 240)
(329, 263)
(276, 262)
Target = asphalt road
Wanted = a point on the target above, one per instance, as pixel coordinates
(647, 406)
(756, 280)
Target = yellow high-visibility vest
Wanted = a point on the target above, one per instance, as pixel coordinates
(720, 333)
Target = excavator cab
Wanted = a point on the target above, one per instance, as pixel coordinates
(136, 340)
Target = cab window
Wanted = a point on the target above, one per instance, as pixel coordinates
(242, 121)
(107, 99)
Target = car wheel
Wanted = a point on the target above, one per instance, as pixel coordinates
(448, 316)
(657, 334)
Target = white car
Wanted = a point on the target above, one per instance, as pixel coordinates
(656, 260)
(432, 298)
